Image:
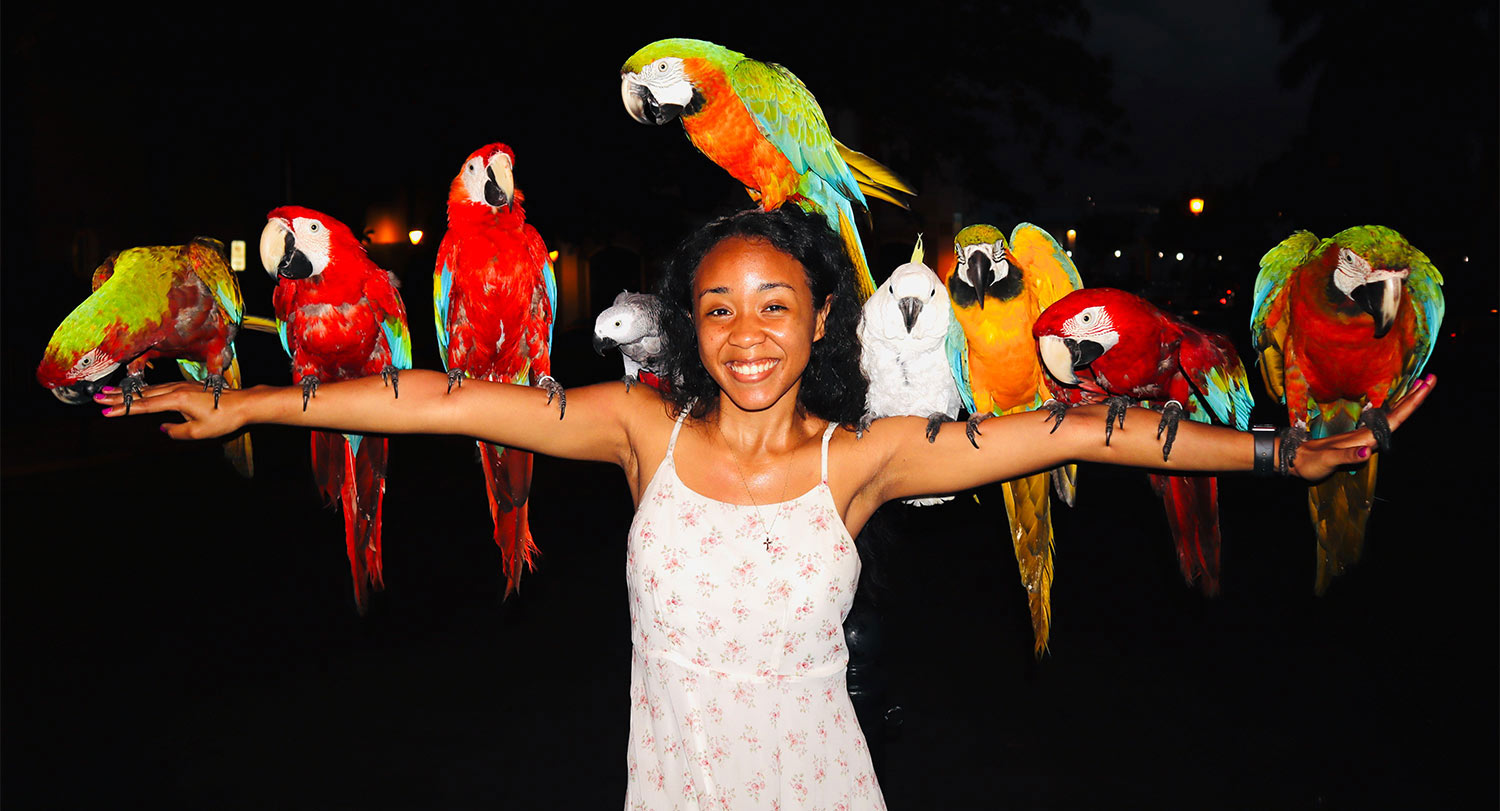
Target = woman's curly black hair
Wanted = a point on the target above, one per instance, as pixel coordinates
(833, 387)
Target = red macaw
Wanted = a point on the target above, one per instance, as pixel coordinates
(1104, 345)
(494, 298)
(340, 318)
(1343, 326)
(762, 125)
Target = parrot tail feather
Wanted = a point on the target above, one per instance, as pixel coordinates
(1340, 507)
(507, 480)
(259, 323)
(238, 450)
(1192, 505)
(1065, 484)
(1029, 506)
(328, 464)
(863, 281)
(875, 179)
(363, 497)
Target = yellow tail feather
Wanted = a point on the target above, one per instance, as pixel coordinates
(862, 278)
(1030, 509)
(874, 178)
(1340, 507)
(258, 323)
(238, 450)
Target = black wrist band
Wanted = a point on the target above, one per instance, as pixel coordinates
(1265, 450)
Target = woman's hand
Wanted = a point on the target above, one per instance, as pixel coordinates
(196, 405)
(1318, 458)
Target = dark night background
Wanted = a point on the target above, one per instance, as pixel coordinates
(177, 637)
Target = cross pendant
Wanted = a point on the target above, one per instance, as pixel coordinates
(768, 543)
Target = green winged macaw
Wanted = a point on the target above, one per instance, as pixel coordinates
(1344, 325)
(998, 288)
(168, 301)
(762, 125)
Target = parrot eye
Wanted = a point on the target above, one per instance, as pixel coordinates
(1085, 318)
(86, 362)
(662, 66)
(617, 323)
(313, 227)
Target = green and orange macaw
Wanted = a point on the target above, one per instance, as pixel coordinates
(760, 124)
(1344, 325)
(998, 290)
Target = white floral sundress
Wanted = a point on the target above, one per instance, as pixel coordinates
(737, 690)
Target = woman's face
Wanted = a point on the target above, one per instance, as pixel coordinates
(756, 321)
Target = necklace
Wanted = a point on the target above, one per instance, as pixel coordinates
(753, 503)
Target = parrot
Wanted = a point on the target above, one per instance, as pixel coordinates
(632, 324)
(168, 301)
(910, 343)
(1106, 345)
(762, 125)
(1343, 326)
(494, 301)
(998, 288)
(340, 317)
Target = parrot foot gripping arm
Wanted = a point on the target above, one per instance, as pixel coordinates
(309, 389)
(1373, 417)
(863, 425)
(131, 386)
(217, 383)
(1117, 406)
(1171, 414)
(455, 376)
(1057, 410)
(554, 389)
(971, 429)
(391, 375)
(628, 380)
(1291, 437)
(935, 421)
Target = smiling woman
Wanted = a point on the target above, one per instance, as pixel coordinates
(740, 562)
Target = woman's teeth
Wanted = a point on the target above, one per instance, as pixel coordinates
(754, 368)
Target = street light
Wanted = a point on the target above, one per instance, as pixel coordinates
(1195, 205)
(415, 236)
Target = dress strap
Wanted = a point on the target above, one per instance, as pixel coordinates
(828, 432)
(672, 443)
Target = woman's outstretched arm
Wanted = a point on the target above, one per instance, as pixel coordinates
(1021, 444)
(593, 426)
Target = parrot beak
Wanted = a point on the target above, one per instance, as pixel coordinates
(1058, 356)
(602, 343)
(79, 393)
(641, 103)
(910, 307)
(1381, 299)
(1083, 352)
(279, 254)
(980, 274)
(499, 192)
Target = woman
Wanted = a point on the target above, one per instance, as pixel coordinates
(741, 564)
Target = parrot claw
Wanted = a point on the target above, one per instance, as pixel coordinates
(554, 389)
(628, 381)
(971, 428)
(863, 425)
(1117, 406)
(217, 383)
(1171, 414)
(1056, 411)
(1373, 417)
(309, 390)
(391, 376)
(455, 376)
(130, 387)
(934, 423)
(1291, 438)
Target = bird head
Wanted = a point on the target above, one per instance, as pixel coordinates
(90, 344)
(908, 306)
(1080, 328)
(1371, 272)
(983, 267)
(624, 322)
(299, 243)
(487, 178)
(661, 81)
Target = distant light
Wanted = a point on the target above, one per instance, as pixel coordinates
(1221, 257)
(1228, 292)
(1223, 301)
(1195, 312)
(1070, 254)
(1159, 254)
(552, 257)
(1072, 237)
(1195, 205)
(1452, 335)
(1117, 254)
(414, 236)
(237, 254)
(1492, 309)
(1466, 258)
(1179, 256)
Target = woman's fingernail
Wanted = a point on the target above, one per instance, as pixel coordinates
(100, 396)
(107, 410)
(163, 428)
(1364, 452)
(109, 389)
(1428, 380)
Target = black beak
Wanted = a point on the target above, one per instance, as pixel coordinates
(493, 194)
(294, 264)
(981, 275)
(1381, 300)
(601, 343)
(910, 307)
(79, 393)
(650, 111)
(1083, 352)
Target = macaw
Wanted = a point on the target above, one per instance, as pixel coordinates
(1343, 326)
(1104, 345)
(632, 324)
(340, 317)
(494, 299)
(762, 125)
(909, 344)
(998, 290)
(170, 301)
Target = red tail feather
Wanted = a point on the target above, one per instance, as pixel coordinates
(1192, 504)
(357, 480)
(507, 480)
(328, 464)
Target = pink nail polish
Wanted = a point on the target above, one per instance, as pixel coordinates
(162, 428)
(107, 410)
(1364, 453)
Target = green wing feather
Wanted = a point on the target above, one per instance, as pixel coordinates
(1268, 317)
